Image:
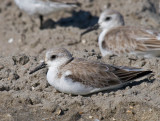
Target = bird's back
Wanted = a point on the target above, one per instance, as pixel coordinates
(100, 75)
(125, 39)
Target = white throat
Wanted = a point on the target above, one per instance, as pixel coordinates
(53, 72)
(101, 38)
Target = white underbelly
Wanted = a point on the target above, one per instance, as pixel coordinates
(66, 85)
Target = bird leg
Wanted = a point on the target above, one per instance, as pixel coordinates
(41, 21)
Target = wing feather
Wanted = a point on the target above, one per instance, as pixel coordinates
(98, 75)
(126, 39)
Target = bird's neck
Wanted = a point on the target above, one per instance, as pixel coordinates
(60, 63)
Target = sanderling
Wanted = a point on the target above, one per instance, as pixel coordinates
(44, 7)
(81, 77)
(116, 38)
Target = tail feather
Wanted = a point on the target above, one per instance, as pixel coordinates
(126, 74)
(74, 4)
(152, 44)
(141, 74)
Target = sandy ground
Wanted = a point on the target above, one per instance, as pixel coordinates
(25, 97)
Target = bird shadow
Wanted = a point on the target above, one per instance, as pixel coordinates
(48, 24)
(81, 19)
(131, 84)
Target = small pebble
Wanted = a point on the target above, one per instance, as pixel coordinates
(10, 40)
(83, 41)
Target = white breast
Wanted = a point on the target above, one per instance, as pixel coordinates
(66, 85)
(101, 38)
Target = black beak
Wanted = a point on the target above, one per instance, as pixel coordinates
(42, 65)
(95, 27)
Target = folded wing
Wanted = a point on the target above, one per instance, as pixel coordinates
(129, 39)
(101, 75)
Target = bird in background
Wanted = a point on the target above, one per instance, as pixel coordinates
(118, 39)
(41, 8)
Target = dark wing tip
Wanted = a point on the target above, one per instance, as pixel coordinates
(126, 75)
(137, 75)
(143, 73)
(77, 4)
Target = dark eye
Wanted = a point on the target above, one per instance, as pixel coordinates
(108, 18)
(53, 57)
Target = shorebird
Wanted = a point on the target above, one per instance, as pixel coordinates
(78, 76)
(44, 7)
(118, 39)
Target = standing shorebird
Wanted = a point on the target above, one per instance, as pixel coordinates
(79, 76)
(44, 7)
(116, 38)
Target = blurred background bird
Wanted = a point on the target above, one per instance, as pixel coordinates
(118, 39)
(41, 8)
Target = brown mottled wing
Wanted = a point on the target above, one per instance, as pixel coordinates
(129, 39)
(97, 75)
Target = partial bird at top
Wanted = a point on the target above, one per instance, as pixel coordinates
(118, 39)
(44, 7)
